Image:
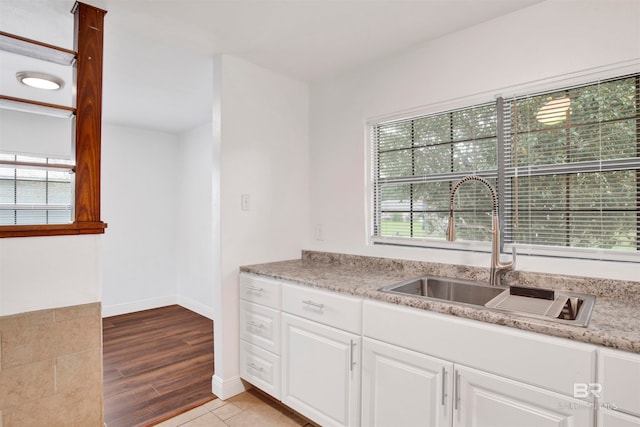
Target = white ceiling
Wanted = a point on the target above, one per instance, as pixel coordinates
(157, 71)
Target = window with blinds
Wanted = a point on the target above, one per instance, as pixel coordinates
(417, 162)
(565, 165)
(35, 190)
(573, 167)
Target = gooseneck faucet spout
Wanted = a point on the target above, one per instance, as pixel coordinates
(497, 267)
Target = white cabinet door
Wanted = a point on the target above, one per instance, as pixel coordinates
(485, 400)
(608, 418)
(403, 388)
(619, 381)
(320, 371)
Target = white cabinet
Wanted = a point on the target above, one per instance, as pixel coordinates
(321, 363)
(321, 375)
(459, 372)
(260, 332)
(486, 400)
(404, 388)
(618, 388)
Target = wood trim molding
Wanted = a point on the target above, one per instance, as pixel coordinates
(52, 229)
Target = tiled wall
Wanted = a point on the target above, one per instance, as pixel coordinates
(51, 368)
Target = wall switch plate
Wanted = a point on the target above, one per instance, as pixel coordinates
(318, 232)
(244, 202)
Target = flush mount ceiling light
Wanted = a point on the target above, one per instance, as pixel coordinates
(40, 80)
(554, 111)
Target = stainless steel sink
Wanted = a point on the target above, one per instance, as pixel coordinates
(456, 290)
(575, 311)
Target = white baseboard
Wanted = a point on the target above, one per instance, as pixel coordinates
(225, 389)
(130, 307)
(196, 306)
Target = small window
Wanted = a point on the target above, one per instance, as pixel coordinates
(35, 190)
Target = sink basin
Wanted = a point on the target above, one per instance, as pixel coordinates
(576, 310)
(456, 290)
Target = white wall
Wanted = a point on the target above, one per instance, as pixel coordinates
(546, 42)
(263, 119)
(139, 191)
(38, 273)
(198, 258)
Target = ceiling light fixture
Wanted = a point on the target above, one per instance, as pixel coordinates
(554, 111)
(40, 80)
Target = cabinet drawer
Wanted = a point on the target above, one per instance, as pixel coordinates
(619, 376)
(329, 308)
(260, 326)
(260, 290)
(261, 368)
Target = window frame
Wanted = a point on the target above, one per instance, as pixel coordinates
(88, 44)
(498, 96)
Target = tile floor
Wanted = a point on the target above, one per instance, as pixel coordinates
(250, 408)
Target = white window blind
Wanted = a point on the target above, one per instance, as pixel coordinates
(35, 190)
(565, 165)
(573, 171)
(416, 163)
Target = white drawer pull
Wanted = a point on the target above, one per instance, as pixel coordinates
(313, 304)
(257, 368)
(254, 289)
(256, 325)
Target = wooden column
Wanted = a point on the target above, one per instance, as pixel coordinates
(89, 26)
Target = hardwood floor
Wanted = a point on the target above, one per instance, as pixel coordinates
(157, 363)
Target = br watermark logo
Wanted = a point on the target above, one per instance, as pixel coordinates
(587, 390)
(589, 393)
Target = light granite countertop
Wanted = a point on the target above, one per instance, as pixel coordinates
(615, 320)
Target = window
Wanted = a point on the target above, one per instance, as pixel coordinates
(35, 190)
(565, 165)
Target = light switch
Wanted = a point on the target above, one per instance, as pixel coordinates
(244, 202)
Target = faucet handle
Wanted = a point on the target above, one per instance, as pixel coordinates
(513, 257)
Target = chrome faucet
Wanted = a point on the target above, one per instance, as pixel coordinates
(497, 268)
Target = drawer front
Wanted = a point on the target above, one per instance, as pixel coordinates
(619, 376)
(260, 290)
(261, 368)
(329, 308)
(260, 326)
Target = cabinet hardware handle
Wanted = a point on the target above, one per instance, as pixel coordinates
(457, 390)
(256, 325)
(257, 368)
(313, 304)
(444, 385)
(254, 289)
(352, 361)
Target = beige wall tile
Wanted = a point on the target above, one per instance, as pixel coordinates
(30, 344)
(26, 383)
(85, 310)
(77, 370)
(21, 346)
(79, 408)
(51, 368)
(23, 320)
